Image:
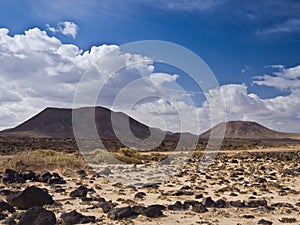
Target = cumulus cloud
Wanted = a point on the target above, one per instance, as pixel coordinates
(38, 71)
(159, 78)
(178, 116)
(283, 78)
(280, 113)
(66, 28)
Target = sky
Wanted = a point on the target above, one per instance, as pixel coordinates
(252, 48)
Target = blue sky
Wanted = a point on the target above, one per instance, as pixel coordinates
(242, 42)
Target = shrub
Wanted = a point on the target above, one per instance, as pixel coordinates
(44, 159)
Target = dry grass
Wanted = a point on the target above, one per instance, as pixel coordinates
(99, 156)
(124, 155)
(47, 159)
(41, 159)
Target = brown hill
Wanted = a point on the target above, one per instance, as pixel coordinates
(57, 123)
(249, 130)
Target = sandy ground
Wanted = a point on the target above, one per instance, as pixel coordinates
(215, 180)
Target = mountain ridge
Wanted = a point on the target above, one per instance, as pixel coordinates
(248, 130)
(58, 123)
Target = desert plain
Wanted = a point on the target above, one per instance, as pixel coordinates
(255, 186)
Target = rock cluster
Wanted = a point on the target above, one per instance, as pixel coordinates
(248, 188)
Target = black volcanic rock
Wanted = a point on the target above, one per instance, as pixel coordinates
(31, 196)
(137, 209)
(106, 206)
(220, 203)
(199, 208)
(120, 213)
(177, 206)
(81, 173)
(140, 195)
(56, 179)
(80, 192)
(27, 175)
(4, 206)
(44, 176)
(74, 217)
(265, 222)
(152, 212)
(256, 203)
(208, 202)
(237, 204)
(38, 216)
(11, 176)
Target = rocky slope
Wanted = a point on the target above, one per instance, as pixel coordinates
(249, 130)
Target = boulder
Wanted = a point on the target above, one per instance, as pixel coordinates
(137, 209)
(283, 204)
(237, 203)
(105, 171)
(27, 175)
(11, 176)
(120, 213)
(220, 203)
(9, 221)
(80, 192)
(208, 202)
(56, 179)
(38, 216)
(158, 206)
(199, 208)
(177, 206)
(140, 195)
(74, 217)
(31, 196)
(106, 206)
(4, 206)
(165, 161)
(247, 216)
(44, 176)
(261, 180)
(199, 196)
(265, 222)
(152, 212)
(82, 173)
(188, 203)
(7, 192)
(256, 203)
(3, 216)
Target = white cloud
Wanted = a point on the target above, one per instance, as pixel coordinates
(280, 113)
(186, 5)
(283, 78)
(194, 5)
(289, 26)
(38, 71)
(245, 69)
(159, 78)
(66, 28)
